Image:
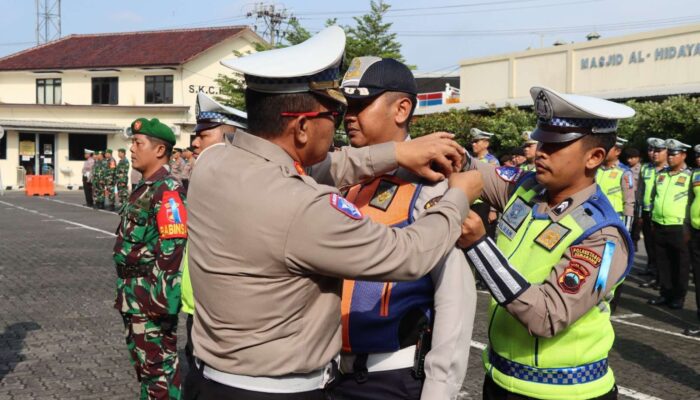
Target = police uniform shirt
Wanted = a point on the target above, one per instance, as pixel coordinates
(545, 309)
(269, 247)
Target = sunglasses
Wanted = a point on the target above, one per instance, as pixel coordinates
(337, 115)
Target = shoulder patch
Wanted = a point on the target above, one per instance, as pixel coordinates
(172, 216)
(572, 278)
(586, 254)
(344, 206)
(509, 174)
(552, 235)
(384, 195)
(432, 202)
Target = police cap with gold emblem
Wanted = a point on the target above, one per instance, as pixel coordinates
(656, 143)
(527, 138)
(312, 66)
(211, 114)
(478, 134)
(566, 117)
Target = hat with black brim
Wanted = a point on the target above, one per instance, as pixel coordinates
(211, 114)
(370, 76)
(311, 66)
(566, 117)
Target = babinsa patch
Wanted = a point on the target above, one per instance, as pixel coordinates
(344, 206)
(172, 216)
(572, 278)
(552, 235)
(586, 254)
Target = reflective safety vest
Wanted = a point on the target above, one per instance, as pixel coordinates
(573, 364)
(187, 298)
(527, 167)
(372, 312)
(648, 175)
(671, 197)
(610, 182)
(695, 205)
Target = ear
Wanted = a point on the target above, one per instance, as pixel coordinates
(403, 108)
(301, 127)
(595, 157)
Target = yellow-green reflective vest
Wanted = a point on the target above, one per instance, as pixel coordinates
(610, 182)
(695, 205)
(186, 285)
(572, 365)
(671, 197)
(648, 175)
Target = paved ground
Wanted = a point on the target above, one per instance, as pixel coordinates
(60, 338)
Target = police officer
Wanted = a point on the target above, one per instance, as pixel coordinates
(267, 290)
(561, 251)
(177, 163)
(98, 184)
(617, 182)
(481, 140)
(150, 242)
(188, 157)
(632, 159)
(87, 176)
(413, 342)
(671, 225)
(695, 237)
(122, 177)
(657, 161)
(529, 151)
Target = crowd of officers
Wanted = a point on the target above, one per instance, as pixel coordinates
(345, 275)
(106, 180)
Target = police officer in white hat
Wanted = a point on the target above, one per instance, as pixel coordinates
(694, 201)
(671, 221)
(658, 160)
(87, 176)
(560, 253)
(267, 289)
(529, 151)
(215, 122)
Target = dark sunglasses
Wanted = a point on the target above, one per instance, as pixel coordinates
(337, 115)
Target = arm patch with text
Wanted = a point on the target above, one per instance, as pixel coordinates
(172, 217)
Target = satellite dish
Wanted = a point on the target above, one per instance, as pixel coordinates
(2, 132)
(126, 133)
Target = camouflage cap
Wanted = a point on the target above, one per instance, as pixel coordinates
(153, 128)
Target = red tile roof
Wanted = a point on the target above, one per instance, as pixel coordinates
(128, 49)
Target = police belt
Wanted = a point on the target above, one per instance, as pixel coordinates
(376, 362)
(552, 376)
(291, 383)
(133, 271)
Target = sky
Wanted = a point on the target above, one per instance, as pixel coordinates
(435, 35)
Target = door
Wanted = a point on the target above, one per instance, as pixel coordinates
(37, 153)
(46, 161)
(27, 152)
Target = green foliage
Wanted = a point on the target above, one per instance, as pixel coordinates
(296, 34)
(676, 117)
(371, 36)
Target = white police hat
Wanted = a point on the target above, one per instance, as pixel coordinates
(527, 138)
(478, 134)
(566, 117)
(88, 151)
(675, 146)
(620, 142)
(697, 148)
(656, 143)
(211, 114)
(311, 66)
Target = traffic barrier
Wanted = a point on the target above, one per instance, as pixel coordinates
(39, 185)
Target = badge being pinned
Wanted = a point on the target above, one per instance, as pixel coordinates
(344, 206)
(509, 174)
(172, 217)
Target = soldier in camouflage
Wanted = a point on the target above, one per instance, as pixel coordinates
(122, 177)
(98, 186)
(110, 177)
(151, 238)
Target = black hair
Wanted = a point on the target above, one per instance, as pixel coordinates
(393, 96)
(265, 109)
(604, 140)
(168, 146)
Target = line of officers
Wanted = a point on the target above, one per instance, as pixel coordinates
(312, 274)
(658, 198)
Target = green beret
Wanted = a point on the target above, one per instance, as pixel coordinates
(99, 152)
(108, 151)
(153, 128)
(123, 150)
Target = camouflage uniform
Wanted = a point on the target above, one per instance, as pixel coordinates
(110, 178)
(122, 177)
(150, 242)
(98, 184)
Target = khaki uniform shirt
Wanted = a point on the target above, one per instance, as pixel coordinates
(545, 309)
(268, 251)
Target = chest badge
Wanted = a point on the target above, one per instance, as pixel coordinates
(384, 195)
(432, 202)
(563, 206)
(613, 175)
(681, 180)
(513, 217)
(552, 235)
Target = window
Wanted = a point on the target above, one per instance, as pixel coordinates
(159, 89)
(48, 91)
(105, 90)
(3, 147)
(78, 142)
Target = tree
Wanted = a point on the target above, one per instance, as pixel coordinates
(371, 36)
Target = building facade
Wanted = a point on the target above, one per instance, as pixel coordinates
(83, 91)
(644, 65)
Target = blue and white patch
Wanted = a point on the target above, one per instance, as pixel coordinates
(344, 206)
(516, 213)
(509, 174)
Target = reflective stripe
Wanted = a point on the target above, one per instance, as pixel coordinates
(377, 362)
(552, 376)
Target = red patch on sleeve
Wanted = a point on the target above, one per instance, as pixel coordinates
(172, 217)
(572, 278)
